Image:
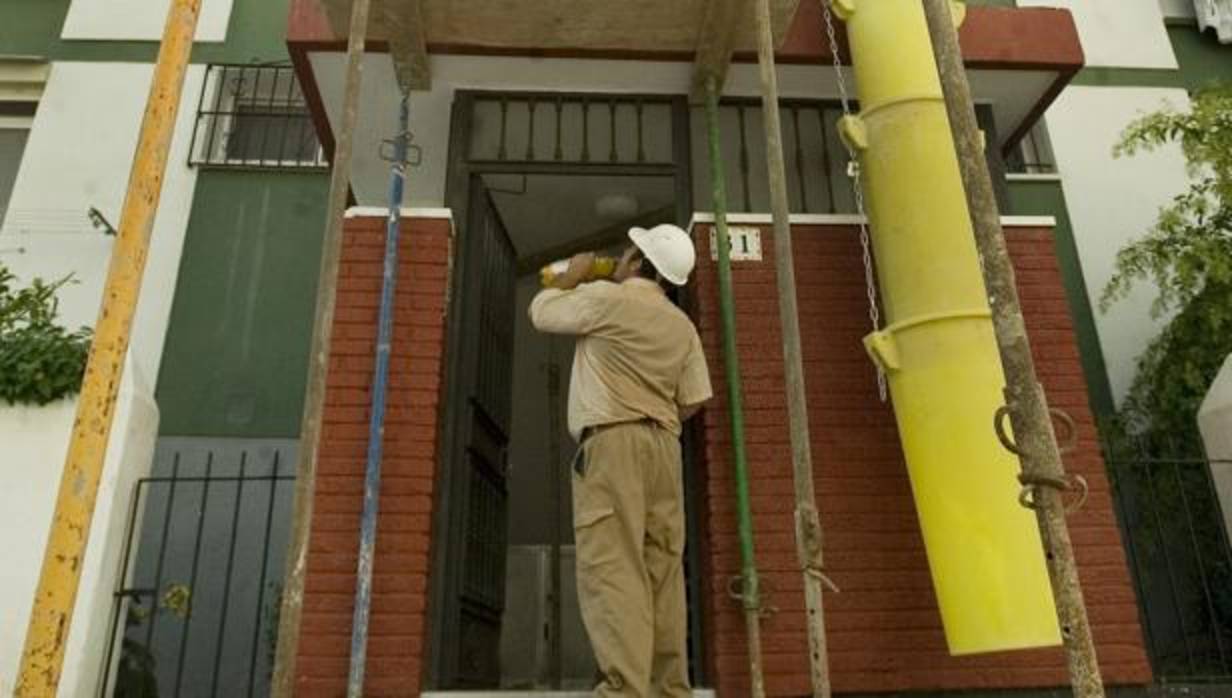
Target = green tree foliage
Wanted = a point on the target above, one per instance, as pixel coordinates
(40, 360)
(1188, 255)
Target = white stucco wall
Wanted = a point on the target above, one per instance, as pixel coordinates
(1112, 201)
(1177, 8)
(1120, 33)
(79, 155)
(35, 442)
(136, 20)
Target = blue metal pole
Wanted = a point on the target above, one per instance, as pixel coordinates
(376, 425)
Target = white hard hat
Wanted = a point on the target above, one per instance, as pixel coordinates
(669, 249)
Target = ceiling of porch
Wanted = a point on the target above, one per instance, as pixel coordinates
(627, 25)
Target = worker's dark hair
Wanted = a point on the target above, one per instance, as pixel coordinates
(646, 270)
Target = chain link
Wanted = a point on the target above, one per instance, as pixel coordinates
(857, 190)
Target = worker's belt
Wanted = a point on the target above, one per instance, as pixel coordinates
(579, 457)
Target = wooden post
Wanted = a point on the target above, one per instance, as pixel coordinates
(1036, 443)
(808, 523)
(318, 364)
(52, 615)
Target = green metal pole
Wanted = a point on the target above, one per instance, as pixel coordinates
(750, 590)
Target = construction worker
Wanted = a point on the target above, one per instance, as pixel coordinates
(638, 373)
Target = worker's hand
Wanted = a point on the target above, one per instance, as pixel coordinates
(580, 266)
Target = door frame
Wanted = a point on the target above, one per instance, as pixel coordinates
(460, 197)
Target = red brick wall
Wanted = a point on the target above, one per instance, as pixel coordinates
(395, 647)
(884, 628)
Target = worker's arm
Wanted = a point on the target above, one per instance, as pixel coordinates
(694, 388)
(565, 308)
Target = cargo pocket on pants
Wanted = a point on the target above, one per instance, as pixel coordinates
(595, 536)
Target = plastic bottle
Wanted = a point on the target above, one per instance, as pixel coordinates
(602, 268)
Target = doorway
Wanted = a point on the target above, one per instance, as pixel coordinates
(539, 177)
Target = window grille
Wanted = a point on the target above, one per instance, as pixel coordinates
(254, 117)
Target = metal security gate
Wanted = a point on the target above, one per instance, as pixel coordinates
(1177, 544)
(197, 614)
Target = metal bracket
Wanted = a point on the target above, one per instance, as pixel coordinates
(883, 349)
(1066, 445)
(854, 132)
(1066, 482)
(389, 148)
(1070, 482)
(735, 590)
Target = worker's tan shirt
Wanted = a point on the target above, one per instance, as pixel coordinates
(638, 356)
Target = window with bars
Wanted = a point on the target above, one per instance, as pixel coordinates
(816, 160)
(254, 116)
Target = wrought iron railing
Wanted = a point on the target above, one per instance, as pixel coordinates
(571, 128)
(1176, 541)
(254, 116)
(815, 158)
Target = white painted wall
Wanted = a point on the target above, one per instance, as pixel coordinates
(136, 20)
(1215, 423)
(35, 442)
(1120, 33)
(1112, 201)
(1178, 8)
(79, 155)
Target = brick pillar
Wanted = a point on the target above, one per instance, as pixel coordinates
(401, 568)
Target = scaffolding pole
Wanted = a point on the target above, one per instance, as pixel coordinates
(283, 685)
(808, 523)
(376, 421)
(750, 589)
(52, 614)
(1036, 444)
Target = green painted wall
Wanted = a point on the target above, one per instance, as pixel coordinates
(1202, 58)
(1045, 198)
(257, 32)
(236, 353)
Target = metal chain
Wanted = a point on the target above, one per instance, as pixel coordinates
(857, 190)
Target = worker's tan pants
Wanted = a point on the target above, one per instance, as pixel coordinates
(628, 520)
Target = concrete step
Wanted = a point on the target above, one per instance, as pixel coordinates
(697, 693)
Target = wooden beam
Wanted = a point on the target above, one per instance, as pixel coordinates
(604, 237)
(291, 609)
(716, 40)
(408, 45)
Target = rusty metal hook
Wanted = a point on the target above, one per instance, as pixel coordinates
(1067, 439)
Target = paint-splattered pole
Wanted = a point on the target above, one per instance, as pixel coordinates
(1043, 474)
(52, 615)
(291, 610)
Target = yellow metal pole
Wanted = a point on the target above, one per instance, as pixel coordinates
(939, 350)
(52, 615)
